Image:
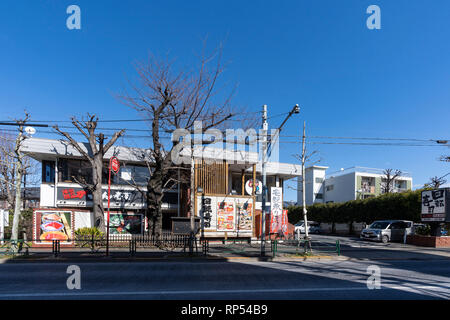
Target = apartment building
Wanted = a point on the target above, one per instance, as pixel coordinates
(348, 184)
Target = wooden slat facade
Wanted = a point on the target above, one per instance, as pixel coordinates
(212, 178)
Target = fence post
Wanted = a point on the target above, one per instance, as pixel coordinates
(55, 247)
(274, 248)
(338, 247)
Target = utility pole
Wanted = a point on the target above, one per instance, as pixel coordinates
(305, 218)
(266, 149)
(265, 126)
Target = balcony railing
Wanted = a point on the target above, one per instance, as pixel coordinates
(368, 189)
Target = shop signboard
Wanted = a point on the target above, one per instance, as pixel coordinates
(126, 223)
(79, 197)
(53, 225)
(249, 187)
(436, 205)
(225, 214)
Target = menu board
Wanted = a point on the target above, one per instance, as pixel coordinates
(54, 225)
(244, 215)
(125, 223)
(225, 216)
(220, 214)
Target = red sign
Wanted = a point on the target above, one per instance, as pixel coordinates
(115, 166)
(279, 223)
(71, 194)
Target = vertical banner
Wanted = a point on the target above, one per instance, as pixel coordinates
(284, 224)
(276, 209)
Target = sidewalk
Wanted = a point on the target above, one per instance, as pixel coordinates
(221, 252)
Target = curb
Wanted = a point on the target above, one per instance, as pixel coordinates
(165, 258)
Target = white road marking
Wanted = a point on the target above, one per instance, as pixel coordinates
(185, 292)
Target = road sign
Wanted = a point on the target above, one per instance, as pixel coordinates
(115, 166)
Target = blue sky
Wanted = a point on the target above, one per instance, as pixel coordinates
(349, 81)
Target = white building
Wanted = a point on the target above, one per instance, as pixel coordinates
(227, 180)
(349, 184)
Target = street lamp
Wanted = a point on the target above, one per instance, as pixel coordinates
(267, 150)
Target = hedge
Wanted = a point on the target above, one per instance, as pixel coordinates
(402, 206)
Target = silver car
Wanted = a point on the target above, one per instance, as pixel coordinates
(387, 230)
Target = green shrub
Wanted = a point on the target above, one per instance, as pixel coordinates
(423, 230)
(405, 206)
(25, 224)
(88, 232)
(89, 238)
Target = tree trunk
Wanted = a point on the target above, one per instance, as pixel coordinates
(18, 183)
(154, 211)
(98, 210)
(15, 226)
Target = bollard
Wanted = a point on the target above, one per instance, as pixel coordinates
(338, 247)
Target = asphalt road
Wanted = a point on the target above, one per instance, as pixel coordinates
(244, 279)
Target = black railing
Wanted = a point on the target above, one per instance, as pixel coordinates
(97, 244)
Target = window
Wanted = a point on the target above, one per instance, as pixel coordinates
(319, 180)
(329, 188)
(319, 196)
(70, 170)
(127, 175)
(48, 171)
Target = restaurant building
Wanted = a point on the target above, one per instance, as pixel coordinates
(226, 200)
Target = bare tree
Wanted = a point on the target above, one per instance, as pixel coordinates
(172, 100)
(435, 182)
(95, 155)
(12, 170)
(7, 169)
(387, 185)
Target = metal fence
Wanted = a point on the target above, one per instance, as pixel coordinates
(166, 241)
(305, 247)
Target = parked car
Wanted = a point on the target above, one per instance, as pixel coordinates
(387, 230)
(313, 227)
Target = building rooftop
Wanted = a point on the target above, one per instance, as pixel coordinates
(363, 170)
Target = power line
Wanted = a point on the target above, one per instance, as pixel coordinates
(130, 136)
(442, 141)
(371, 144)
